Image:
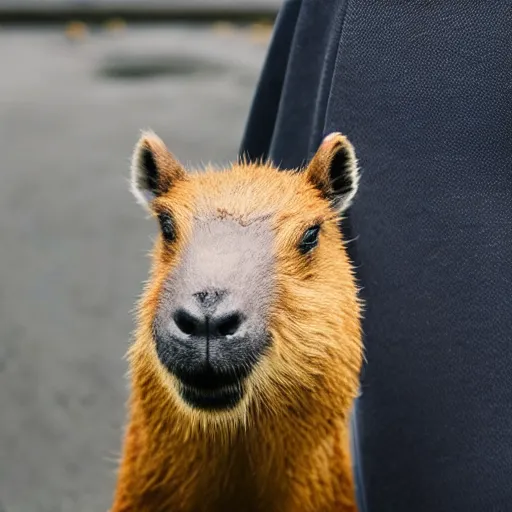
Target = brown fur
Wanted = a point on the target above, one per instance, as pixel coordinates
(286, 446)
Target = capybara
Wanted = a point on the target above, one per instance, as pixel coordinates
(248, 349)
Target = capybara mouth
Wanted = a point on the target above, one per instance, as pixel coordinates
(209, 389)
(212, 398)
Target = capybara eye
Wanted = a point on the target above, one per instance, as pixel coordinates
(309, 239)
(167, 226)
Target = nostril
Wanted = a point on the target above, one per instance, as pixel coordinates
(187, 323)
(229, 324)
(225, 325)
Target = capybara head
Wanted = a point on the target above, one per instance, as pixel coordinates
(251, 307)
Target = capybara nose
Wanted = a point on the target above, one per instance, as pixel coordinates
(202, 324)
(210, 341)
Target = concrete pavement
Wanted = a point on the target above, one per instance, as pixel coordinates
(73, 243)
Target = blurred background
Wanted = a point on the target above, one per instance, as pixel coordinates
(78, 81)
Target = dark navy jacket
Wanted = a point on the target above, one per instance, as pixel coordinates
(423, 90)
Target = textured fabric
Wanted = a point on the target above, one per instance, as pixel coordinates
(423, 90)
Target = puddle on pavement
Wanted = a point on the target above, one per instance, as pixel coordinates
(124, 67)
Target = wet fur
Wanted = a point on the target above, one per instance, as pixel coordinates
(286, 446)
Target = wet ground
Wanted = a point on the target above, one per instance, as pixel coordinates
(73, 243)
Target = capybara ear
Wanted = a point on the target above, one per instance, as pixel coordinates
(333, 170)
(154, 170)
